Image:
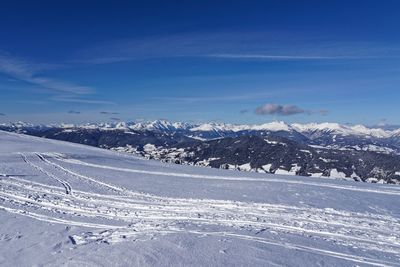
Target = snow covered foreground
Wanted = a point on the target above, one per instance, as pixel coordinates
(67, 204)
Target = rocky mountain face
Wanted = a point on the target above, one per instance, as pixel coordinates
(322, 150)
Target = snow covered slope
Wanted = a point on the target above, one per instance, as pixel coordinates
(63, 203)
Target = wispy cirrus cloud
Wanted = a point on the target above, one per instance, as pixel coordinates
(286, 110)
(59, 90)
(74, 99)
(228, 97)
(29, 72)
(273, 57)
(239, 46)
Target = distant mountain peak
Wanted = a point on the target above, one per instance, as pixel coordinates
(336, 128)
(162, 125)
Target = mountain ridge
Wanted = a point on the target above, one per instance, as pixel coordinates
(165, 125)
(325, 150)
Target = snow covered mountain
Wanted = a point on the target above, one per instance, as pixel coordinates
(327, 150)
(67, 204)
(276, 126)
(313, 130)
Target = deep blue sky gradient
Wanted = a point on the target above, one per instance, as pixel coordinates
(199, 60)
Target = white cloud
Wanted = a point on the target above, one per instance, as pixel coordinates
(286, 110)
(277, 109)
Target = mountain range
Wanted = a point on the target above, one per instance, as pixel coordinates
(333, 150)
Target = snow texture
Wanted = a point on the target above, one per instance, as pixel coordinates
(68, 204)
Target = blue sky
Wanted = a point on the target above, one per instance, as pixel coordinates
(231, 61)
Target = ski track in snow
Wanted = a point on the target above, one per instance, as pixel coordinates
(121, 214)
(68, 189)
